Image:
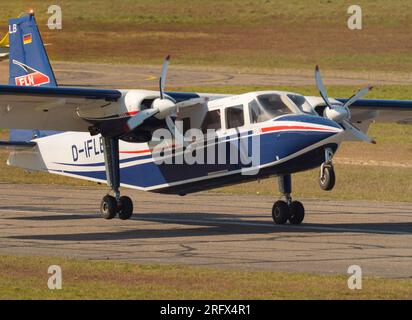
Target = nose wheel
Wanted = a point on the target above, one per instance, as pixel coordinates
(327, 176)
(284, 211)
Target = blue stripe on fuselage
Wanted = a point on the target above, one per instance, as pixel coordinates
(274, 146)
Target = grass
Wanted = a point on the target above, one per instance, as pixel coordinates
(352, 182)
(264, 34)
(25, 277)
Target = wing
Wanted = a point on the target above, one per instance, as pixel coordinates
(399, 111)
(62, 109)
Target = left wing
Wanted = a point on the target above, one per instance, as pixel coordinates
(49, 108)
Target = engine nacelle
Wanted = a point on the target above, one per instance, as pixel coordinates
(165, 107)
(136, 100)
(337, 113)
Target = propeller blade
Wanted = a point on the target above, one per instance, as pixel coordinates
(321, 87)
(356, 132)
(162, 80)
(139, 118)
(357, 96)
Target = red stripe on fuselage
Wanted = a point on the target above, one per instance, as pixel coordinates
(135, 151)
(279, 128)
(144, 151)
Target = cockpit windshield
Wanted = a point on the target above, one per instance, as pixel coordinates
(269, 106)
(302, 103)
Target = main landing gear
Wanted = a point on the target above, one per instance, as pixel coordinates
(284, 211)
(114, 205)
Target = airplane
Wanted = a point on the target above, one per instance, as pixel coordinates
(139, 138)
(4, 47)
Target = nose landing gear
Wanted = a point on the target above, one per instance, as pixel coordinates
(327, 176)
(283, 211)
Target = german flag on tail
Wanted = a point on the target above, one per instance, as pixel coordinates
(27, 39)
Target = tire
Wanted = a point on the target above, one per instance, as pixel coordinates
(125, 208)
(280, 212)
(297, 213)
(108, 207)
(327, 182)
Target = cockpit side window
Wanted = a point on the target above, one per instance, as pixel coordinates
(234, 117)
(211, 121)
(255, 112)
(268, 106)
(273, 104)
(301, 103)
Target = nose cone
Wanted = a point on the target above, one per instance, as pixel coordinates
(297, 134)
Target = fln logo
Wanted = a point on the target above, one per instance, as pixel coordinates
(32, 78)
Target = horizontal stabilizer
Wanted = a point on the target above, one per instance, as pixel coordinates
(17, 145)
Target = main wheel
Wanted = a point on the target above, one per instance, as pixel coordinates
(297, 212)
(280, 212)
(327, 181)
(108, 207)
(125, 208)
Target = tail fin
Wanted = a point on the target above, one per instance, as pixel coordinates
(5, 41)
(29, 63)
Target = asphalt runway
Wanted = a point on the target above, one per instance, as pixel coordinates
(140, 76)
(208, 229)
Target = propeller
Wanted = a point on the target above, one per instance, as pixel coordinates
(162, 107)
(341, 113)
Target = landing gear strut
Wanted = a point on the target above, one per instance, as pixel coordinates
(327, 173)
(283, 211)
(112, 205)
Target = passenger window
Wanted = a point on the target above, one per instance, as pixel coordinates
(234, 117)
(211, 120)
